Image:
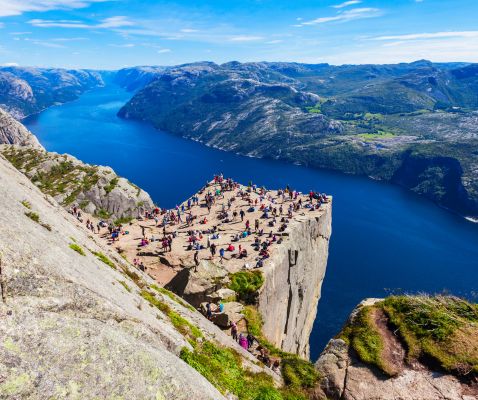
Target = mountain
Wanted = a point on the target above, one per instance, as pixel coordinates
(412, 124)
(13, 132)
(25, 91)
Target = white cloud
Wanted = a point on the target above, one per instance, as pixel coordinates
(434, 35)
(187, 30)
(107, 23)
(10, 64)
(18, 7)
(125, 46)
(274, 41)
(245, 38)
(162, 51)
(48, 44)
(349, 15)
(347, 3)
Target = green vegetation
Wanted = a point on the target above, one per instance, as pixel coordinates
(246, 284)
(105, 259)
(181, 324)
(123, 220)
(26, 204)
(102, 213)
(441, 328)
(111, 185)
(173, 297)
(366, 340)
(33, 216)
(378, 135)
(77, 248)
(125, 285)
(63, 177)
(133, 276)
(315, 109)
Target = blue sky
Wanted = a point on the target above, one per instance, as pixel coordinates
(111, 34)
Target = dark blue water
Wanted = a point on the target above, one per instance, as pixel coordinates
(384, 240)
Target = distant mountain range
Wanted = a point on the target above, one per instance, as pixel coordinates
(25, 91)
(413, 124)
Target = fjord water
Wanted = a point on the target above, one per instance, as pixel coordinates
(385, 239)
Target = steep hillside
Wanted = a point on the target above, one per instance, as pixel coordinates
(412, 124)
(25, 91)
(74, 313)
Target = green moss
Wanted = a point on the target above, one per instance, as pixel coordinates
(133, 276)
(77, 248)
(104, 259)
(15, 384)
(125, 285)
(33, 216)
(246, 284)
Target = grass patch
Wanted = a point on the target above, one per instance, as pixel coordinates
(125, 285)
(365, 339)
(77, 248)
(181, 324)
(246, 284)
(33, 216)
(374, 136)
(223, 368)
(123, 220)
(26, 204)
(441, 328)
(104, 259)
(173, 297)
(134, 277)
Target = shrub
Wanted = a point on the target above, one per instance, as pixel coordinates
(246, 284)
(111, 185)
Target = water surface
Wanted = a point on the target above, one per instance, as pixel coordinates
(385, 239)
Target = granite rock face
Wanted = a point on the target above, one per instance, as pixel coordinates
(293, 280)
(13, 132)
(70, 328)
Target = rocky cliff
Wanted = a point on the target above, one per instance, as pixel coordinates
(80, 322)
(293, 281)
(13, 132)
(95, 189)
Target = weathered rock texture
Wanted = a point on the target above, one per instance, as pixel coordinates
(345, 377)
(75, 328)
(293, 280)
(13, 132)
(95, 189)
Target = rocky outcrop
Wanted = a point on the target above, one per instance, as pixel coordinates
(75, 320)
(13, 132)
(293, 280)
(346, 377)
(95, 189)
